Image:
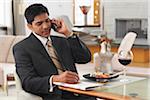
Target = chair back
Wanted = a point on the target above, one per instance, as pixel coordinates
(21, 94)
(67, 22)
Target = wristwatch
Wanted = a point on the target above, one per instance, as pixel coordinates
(73, 35)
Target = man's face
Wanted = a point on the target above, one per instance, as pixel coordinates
(41, 25)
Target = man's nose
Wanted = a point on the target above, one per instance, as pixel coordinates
(46, 25)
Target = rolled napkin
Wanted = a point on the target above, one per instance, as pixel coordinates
(127, 41)
(126, 44)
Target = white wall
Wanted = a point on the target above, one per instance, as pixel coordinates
(122, 9)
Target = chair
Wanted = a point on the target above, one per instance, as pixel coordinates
(21, 94)
(67, 22)
(1, 78)
(126, 44)
(7, 63)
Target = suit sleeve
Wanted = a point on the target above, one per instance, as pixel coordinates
(81, 54)
(31, 82)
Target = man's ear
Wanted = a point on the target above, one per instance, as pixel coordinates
(29, 26)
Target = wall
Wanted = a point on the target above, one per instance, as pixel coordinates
(113, 9)
(123, 9)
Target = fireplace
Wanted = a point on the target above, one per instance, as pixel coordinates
(124, 26)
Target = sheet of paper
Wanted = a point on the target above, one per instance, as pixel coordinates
(81, 85)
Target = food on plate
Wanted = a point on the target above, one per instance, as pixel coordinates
(100, 75)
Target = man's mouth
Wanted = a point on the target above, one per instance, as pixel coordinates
(46, 31)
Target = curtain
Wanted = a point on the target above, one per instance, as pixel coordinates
(18, 12)
(13, 18)
(8, 19)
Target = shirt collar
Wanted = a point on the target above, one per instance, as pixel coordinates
(42, 39)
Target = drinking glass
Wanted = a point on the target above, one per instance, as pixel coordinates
(85, 10)
(125, 57)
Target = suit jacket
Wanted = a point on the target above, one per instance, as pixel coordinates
(34, 66)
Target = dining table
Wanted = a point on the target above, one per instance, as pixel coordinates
(135, 88)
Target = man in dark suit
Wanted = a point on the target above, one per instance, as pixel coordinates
(35, 66)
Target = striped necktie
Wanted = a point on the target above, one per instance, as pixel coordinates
(52, 53)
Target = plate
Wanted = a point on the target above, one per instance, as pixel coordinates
(93, 78)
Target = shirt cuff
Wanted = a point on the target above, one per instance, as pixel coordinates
(51, 84)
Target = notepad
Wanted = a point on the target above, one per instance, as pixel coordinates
(80, 85)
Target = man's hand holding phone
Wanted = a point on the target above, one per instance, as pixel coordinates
(60, 26)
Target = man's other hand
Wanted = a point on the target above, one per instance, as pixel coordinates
(67, 77)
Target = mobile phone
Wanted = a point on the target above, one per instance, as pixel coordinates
(54, 27)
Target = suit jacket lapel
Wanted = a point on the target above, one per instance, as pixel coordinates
(39, 46)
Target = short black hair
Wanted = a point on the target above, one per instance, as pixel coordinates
(34, 10)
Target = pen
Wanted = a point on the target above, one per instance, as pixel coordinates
(61, 69)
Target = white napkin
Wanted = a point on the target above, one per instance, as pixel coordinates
(127, 42)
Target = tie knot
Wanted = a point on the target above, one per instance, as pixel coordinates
(49, 43)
